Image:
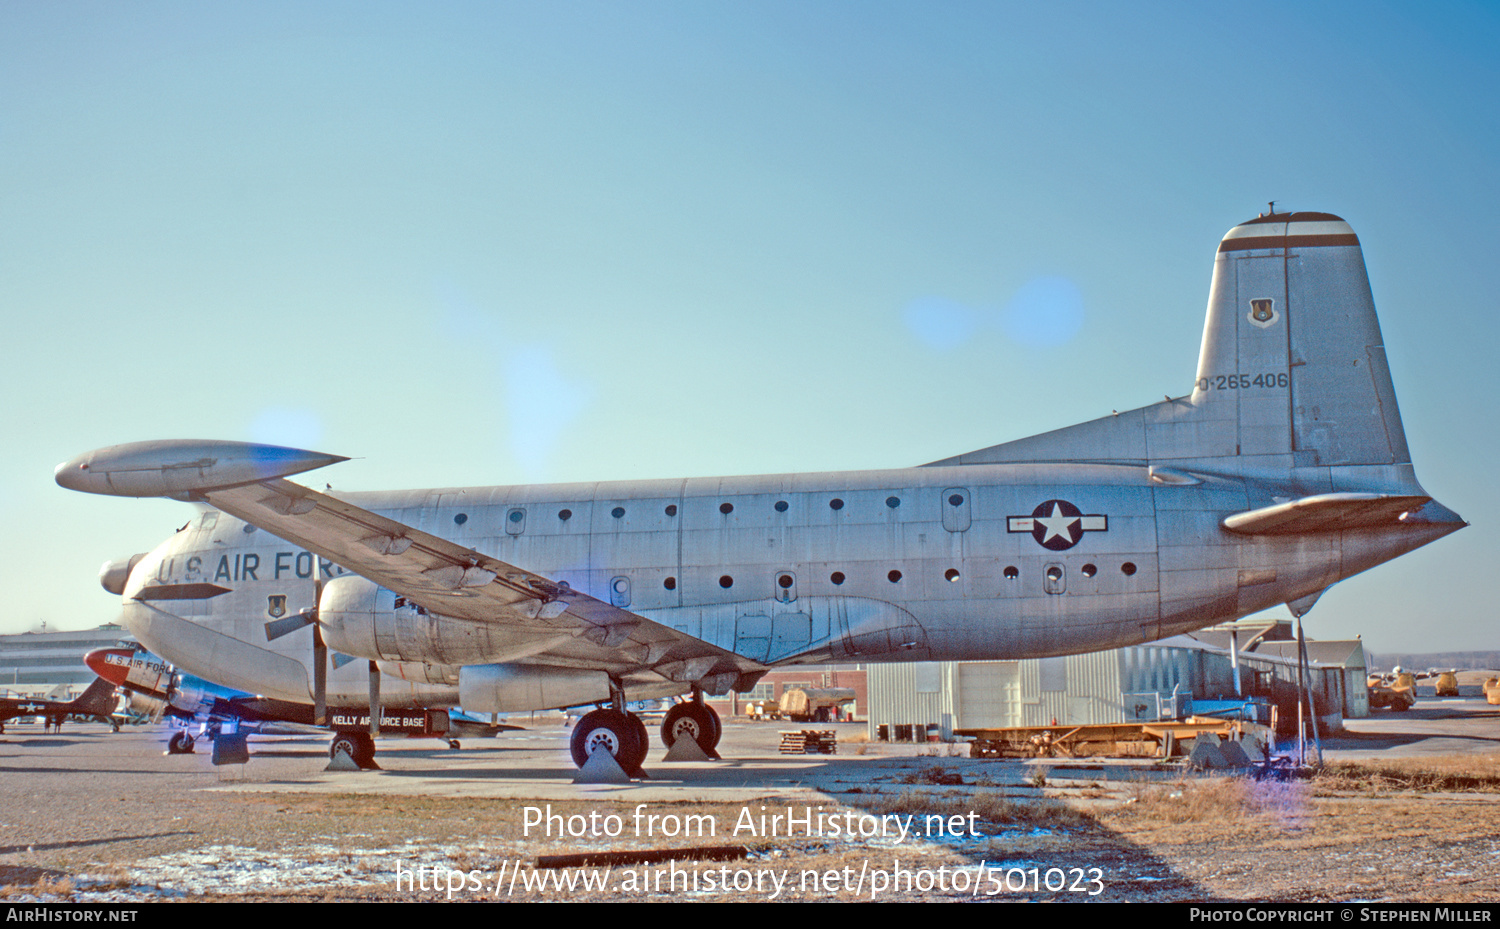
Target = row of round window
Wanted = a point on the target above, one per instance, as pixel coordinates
(781, 506)
(951, 575)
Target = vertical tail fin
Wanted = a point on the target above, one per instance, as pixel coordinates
(1292, 367)
(98, 700)
(1292, 351)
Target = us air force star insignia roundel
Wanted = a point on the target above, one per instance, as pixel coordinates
(1058, 525)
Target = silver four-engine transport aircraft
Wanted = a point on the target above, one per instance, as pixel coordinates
(1283, 471)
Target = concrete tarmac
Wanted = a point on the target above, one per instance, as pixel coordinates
(534, 763)
(85, 808)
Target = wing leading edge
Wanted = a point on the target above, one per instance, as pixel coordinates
(548, 622)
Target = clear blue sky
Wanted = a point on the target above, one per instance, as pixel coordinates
(491, 243)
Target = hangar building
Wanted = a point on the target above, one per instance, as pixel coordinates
(1141, 683)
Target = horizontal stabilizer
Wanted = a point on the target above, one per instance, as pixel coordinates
(1325, 513)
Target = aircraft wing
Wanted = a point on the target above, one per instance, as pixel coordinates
(549, 622)
(1325, 513)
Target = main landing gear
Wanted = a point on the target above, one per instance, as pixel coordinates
(181, 743)
(624, 736)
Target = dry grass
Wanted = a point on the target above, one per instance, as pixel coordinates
(932, 774)
(1222, 800)
(1448, 773)
(60, 886)
(988, 808)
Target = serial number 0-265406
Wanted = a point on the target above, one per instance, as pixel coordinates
(1242, 381)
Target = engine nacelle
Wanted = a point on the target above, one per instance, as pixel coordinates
(360, 618)
(501, 688)
(186, 695)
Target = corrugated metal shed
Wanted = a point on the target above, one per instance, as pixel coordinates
(1140, 683)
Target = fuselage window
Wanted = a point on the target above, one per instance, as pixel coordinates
(564, 515)
(1128, 568)
(951, 575)
(1089, 570)
(837, 577)
(835, 504)
(781, 506)
(894, 576)
(671, 509)
(670, 583)
(460, 519)
(726, 581)
(726, 508)
(893, 502)
(1012, 572)
(617, 512)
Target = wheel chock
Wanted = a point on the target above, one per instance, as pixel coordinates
(686, 749)
(342, 761)
(601, 768)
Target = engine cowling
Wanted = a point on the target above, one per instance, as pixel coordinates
(186, 694)
(359, 617)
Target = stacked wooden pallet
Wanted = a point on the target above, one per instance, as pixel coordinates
(809, 742)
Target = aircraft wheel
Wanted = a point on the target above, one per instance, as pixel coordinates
(341, 743)
(620, 734)
(642, 734)
(357, 745)
(693, 720)
(180, 744)
(454, 744)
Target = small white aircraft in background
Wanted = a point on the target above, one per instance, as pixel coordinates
(1282, 472)
(204, 709)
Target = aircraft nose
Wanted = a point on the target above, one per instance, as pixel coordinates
(114, 575)
(115, 671)
(73, 474)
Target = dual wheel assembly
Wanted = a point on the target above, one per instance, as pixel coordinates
(624, 735)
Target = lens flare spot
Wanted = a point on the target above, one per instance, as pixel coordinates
(1045, 312)
(940, 323)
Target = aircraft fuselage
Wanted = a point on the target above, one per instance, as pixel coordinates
(935, 563)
